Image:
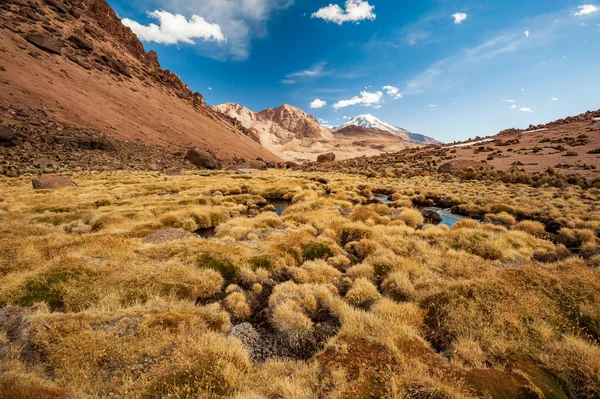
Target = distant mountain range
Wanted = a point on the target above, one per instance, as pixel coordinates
(371, 122)
(292, 134)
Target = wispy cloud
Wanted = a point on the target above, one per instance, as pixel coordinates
(366, 99)
(459, 17)
(508, 101)
(356, 10)
(525, 109)
(513, 106)
(447, 71)
(313, 72)
(554, 99)
(526, 33)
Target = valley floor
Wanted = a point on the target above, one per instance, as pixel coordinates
(297, 285)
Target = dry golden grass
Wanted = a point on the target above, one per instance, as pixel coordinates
(363, 300)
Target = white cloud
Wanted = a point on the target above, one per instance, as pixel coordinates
(346, 117)
(432, 105)
(526, 33)
(175, 28)
(459, 17)
(288, 81)
(513, 106)
(508, 101)
(392, 91)
(366, 99)
(241, 21)
(210, 88)
(554, 99)
(356, 10)
(523, 89)
(586, 9)
(324, 123)
(525, 109)
(318, 103)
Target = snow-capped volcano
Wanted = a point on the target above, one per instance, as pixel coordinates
(371, 122)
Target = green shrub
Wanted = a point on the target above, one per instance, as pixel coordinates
(316, 250)
(223, 266)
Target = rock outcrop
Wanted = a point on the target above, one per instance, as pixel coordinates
(329, 157)
(52, 182)
(203, 159)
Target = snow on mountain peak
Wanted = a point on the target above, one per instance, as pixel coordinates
(369, 121)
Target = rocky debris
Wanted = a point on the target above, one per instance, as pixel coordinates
(329, 157)
(431, 217)
(7, 137)
(81, 42)
(459, 165)
(51, 182)
(44, 146)
(14, 323)
(45, 42)
(250, 338)
(203, 159)
(166, 235)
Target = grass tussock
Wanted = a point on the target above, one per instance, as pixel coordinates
(338, 297)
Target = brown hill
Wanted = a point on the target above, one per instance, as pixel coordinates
(75, 62)
(567, 147)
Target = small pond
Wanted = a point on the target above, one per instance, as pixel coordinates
(279, 205)
(448, 218)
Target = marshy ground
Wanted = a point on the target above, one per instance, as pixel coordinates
(106, 290)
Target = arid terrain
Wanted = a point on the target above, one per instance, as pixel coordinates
(152, 246)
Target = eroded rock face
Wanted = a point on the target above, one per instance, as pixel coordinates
(203, 159)
(329, 157)
(45, 42)
(458, 165)
(51, 182)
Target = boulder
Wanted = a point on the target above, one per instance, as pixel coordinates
(50, 182)
(459, 165)
(203, 159)
(290, 165)
(329, 157)
(45, 42)
(8, 138)
(431, 217)
(81, 42)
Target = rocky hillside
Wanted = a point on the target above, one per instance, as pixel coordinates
(76, 63)
(563, 150)
(295, 135)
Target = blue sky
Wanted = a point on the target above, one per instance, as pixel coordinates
(444, 68)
